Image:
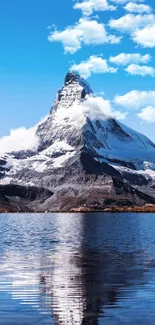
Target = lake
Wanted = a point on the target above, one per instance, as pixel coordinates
(94, 268)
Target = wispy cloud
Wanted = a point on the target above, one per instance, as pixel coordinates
(145, 36)
(144, 70)
(98, 107)
(127, 58)
(147, 114)
(130, 22)
(86, 31)
(121, 2)
(141, 28)
(19, 139)
(135, 99)
(89, 6)
(94, 65)
(137, 8)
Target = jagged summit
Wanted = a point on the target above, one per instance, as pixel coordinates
(71, 77)
(74, 77)
(75, 89)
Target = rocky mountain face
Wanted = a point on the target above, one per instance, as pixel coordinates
(84, 158)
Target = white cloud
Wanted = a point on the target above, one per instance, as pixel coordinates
(101, 93)
(137, 8)
(96, 107)
(130, 22)
(86, 31)
(143, 71)
(119, 115)
(19, 139)
(71, 39)
(136, 99)
(127, 58)
(145, 36)
(89, 6)
(94, 64)
(140, 27)
(121, 2)
(147, 114)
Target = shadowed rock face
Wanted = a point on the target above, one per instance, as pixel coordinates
(84, 158)
(22, 198)
(73, 77)
(30, 193)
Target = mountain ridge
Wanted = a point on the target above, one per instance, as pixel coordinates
(83, 157)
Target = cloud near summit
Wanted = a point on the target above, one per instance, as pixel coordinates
(93, 65)
(98, 65)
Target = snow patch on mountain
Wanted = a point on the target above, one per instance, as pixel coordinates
(57, 147)
(148, 173)
(58, 162)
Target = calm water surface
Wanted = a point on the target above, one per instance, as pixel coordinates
(77, 269)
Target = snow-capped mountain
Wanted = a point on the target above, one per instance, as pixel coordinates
(83, 157)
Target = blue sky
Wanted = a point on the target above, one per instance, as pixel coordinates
(38, 48)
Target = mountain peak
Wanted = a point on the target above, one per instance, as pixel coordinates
(75, 88)
(73, 77)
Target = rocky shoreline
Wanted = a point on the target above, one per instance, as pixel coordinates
(148, 208)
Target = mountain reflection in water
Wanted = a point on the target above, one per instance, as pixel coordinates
(78, 269)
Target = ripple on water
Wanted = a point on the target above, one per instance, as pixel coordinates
(77, 269)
